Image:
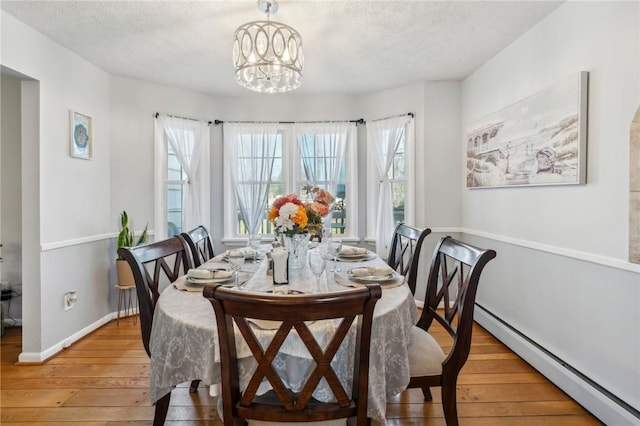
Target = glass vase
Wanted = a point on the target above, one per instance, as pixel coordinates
(297, 245)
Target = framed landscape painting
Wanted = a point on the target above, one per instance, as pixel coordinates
(81, 131)
(540, 140)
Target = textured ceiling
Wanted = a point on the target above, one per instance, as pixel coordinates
(350, 47)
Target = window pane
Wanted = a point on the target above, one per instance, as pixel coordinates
(174, 171)
(174, 209)
(175, 192)
(398, 191)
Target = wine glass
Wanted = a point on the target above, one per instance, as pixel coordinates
(317, 263)
(254, 243)
(236, 260)
(335, 244)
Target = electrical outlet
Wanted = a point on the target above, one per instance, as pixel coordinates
(70, 299)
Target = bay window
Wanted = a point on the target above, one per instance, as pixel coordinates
(265, 160)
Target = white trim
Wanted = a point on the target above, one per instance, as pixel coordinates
(30, 357)
(561, 251)
(37, 357)
(597, 403)
(83, 240)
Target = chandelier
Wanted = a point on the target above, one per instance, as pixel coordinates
(267, 55)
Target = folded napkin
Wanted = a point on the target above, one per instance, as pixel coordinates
(205, 274)
(235, 253)
(371, 271)
(182, 285)
(352, 251)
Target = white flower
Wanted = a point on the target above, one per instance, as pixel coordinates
(284, 221)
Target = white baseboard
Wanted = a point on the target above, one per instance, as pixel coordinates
(38, 357)
(599, 404)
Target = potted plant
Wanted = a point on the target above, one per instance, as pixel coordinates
(126, 239)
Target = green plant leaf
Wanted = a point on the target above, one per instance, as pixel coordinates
(124, 219)
(144, 236)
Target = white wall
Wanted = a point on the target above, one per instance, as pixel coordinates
(10, 205)
(561, 275)
(71, 221)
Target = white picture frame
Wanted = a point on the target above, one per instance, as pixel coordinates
(80, 135)
(540, 140)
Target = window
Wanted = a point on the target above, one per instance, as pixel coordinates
(322, 155)
(390, 177)
(181, 196)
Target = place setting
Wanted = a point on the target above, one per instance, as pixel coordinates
(250, 255)
(196, 279)
(361, 276)
(342, 253)
(354, 254)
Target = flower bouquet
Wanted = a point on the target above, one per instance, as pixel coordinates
(320, 207)
(289, 216)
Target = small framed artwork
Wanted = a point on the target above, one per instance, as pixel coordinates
(540, 140)
(81, 143)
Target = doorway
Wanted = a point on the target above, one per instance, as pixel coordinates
(11, 201)
(20, 203)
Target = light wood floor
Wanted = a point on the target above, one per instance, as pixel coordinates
(103, 380)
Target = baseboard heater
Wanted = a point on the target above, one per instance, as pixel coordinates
(632, 412)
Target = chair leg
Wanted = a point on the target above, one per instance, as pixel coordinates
(162, 407)
(427, 393)
(449, 404)
(194, 386)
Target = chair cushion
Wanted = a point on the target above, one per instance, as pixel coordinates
(336, 422)
(425, 354)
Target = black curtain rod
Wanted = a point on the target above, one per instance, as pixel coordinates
(184, 118)
(410, 114)
(358, 121)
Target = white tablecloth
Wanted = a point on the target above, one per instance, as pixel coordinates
(184, 339)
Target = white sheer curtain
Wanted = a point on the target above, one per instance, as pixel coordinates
(383, 138)
(323, 148)
(249, 151)
(189, 140)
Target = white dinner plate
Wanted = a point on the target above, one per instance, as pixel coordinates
(342, 279)
(247, 256)
(371, 278)
(203, 281)
(357, 258)
(355, 255)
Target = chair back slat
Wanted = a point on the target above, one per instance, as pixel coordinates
(153, 257)
(353, 313)
(200, 245)
(404, 252)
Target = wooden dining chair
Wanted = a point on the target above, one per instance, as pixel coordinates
(455, 271)
(200, 244)
(166, 260)
(282, 404)
(404, 252)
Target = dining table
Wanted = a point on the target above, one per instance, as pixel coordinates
(184, 338)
